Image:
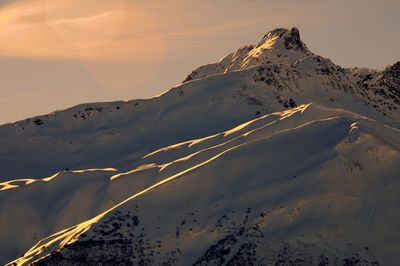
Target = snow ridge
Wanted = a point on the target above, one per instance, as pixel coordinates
(271, 156)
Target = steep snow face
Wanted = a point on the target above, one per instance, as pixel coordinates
(260, 157)
(311, 184)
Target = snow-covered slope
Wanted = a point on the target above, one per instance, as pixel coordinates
(272, 155)
(118, 133)
(305, 184)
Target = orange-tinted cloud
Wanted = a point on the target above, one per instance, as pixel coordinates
(99, 30)
(112, 40)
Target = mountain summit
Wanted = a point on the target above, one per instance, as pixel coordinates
(285, 57)
(282, 38)
(271, 156)
(279, 46)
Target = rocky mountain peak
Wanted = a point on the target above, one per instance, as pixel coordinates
(393, 70)
(284, 38)
(278, 46)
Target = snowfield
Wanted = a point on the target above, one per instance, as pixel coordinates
(271, 156)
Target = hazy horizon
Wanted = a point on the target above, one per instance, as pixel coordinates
(56, 54)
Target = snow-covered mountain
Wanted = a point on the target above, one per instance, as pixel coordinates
(271, 156)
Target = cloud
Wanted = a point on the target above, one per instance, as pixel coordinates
(88, 30)
(118, 45)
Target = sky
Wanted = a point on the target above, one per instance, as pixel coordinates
(58, 53)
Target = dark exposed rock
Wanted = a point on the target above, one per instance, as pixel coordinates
(38, 122)
(217, 253)
(191, 76)
(113, 243)
(121, 241)
(293, 41)
(246, 255)
(323, 261)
